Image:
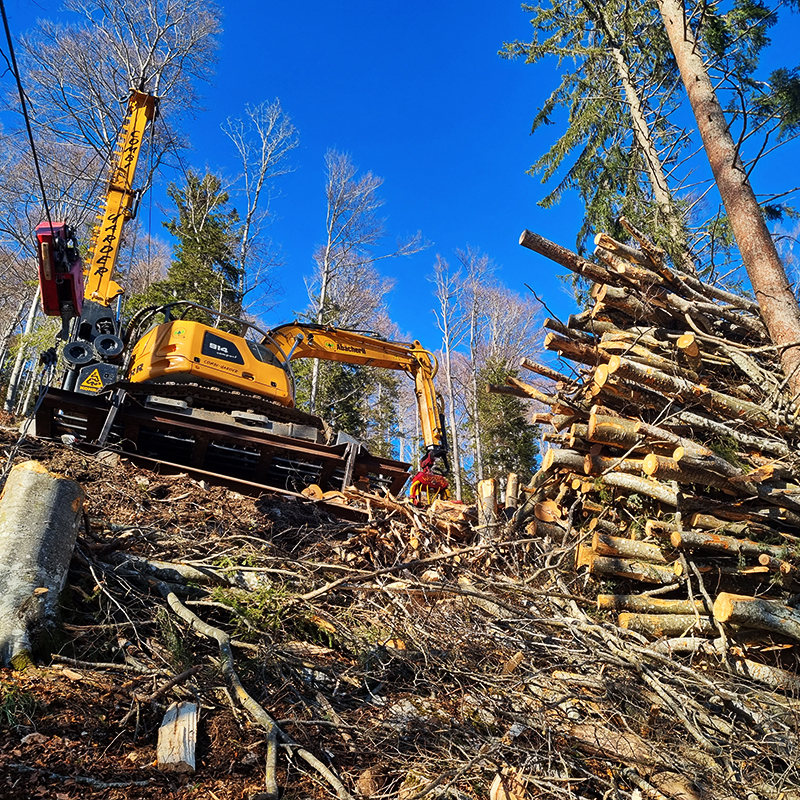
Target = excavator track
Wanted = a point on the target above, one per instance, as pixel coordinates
(241, 445)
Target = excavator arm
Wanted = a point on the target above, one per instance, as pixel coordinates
(95, 344)
(296, 340)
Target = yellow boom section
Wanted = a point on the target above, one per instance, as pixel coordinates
(333, 344)
(118, 201)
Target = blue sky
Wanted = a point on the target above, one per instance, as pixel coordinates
(417, 94)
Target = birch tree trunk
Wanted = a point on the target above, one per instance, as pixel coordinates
(16, 372)
(39, 518)
(777, 302)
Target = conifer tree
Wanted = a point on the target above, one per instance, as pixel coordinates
(204, 268)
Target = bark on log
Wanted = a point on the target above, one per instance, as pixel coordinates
(40, 513)
(767, 615)
(624, 568)
(541, 369)
(724, 544)
(641, 355)
(776, 678)
(686, 391)
(668, 469)
(566, 258)
(510, 391)
(649, 605)
(567, 330)
(605, 545)
(512, 491)
(624, 266)
(597, 465)
(487, 505)
(558, 458)
(575, 351)
(666, 624)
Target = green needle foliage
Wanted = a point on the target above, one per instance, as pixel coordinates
(204, 268)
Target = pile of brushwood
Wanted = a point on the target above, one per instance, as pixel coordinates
(626, 632)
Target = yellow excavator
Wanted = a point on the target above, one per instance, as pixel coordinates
(218, 399)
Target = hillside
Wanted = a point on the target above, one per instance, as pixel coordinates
(412, 657)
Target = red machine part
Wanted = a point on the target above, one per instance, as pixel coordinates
(426, 486)
(60, 270)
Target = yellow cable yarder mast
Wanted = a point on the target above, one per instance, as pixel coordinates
(93, 353)
(119, 202)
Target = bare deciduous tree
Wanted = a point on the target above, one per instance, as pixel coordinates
(450, 320)
(263, 140)
(77, 103)
(353, 230)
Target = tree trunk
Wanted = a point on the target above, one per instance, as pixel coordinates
(776, 299)
(39, 518)
(13, 381)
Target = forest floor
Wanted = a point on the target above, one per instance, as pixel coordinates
(412, 660)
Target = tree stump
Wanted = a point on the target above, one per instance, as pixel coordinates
(39, 517)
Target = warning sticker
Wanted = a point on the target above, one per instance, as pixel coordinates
(93, 383)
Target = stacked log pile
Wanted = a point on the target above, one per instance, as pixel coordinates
(672, 462)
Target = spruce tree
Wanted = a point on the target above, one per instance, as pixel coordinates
(204, 268)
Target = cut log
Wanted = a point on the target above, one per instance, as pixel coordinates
(605, 545)
(177, 738)
(487, 503)
(509, 391)
(667, 624)
(642, 355)
(566, 258)
(40, 513)
(629, 304)
(767, 615)
(624, 568)
(547, 372)
(557, 458)
(762, 443)
(725, 527)
(575, 351)
(613, 431)
(598, 465)
(776, 678)
(687, 344)
(777, 565)
(650, 605)
(558, 326)
(646, 486)
(703, 540)
(685, 391)
(668, 469)
(659, 528)
(531, 392)
(624, 266)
